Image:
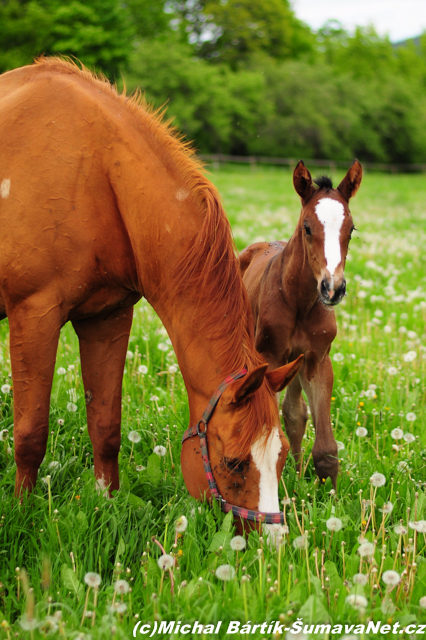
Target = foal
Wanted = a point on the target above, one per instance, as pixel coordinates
(292, 288)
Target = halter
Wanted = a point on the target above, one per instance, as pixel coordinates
(239, 512)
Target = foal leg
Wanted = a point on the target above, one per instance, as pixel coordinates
(295, 417)
(34, 332)
(103, 347)
(318, 389)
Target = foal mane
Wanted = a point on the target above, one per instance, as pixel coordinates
(323, 182)
(209, 271)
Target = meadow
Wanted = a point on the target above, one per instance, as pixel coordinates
(74, 564)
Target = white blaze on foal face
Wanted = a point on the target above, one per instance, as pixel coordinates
(331, 214)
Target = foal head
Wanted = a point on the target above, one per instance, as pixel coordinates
(326, 226)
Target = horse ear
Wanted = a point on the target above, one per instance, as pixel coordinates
(245, 387)
(350, 183)
(280, 378)
(302, 181)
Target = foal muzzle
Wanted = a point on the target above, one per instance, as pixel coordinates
(330, 295)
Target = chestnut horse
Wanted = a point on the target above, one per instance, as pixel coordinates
(101, 204)
(292, 288)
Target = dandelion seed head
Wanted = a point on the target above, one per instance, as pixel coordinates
(378, 479)
(122, 587)
(237, 543)
(391, 578)
(361, 432)
(357, 601)
(160, 450)
(422, 602)
(165, 562)
(92, 579)
(71, 407)
(301, 542)
(5, 388)
(409, 438)
(334, 524)
(360, 578)
(154, 398)
(397, 434)
(61, 371)
(143, 369)
(392, 371)
(181, 524)
(173, 369)
(400, 530)
(410, 356)
(366, 549)
(411, 416)
(225, 572)
(387, 508)
(338, 357)
(134, 437)
(130, 355)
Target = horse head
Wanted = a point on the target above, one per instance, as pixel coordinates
(326, 226)
(246, 462)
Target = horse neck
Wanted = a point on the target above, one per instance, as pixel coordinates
(207, 318)
(298, 284)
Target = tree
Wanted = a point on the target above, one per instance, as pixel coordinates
(97, 32)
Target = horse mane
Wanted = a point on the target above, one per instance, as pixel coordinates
(210, 269)
(323, 182)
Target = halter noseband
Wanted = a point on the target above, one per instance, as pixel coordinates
(239, 512)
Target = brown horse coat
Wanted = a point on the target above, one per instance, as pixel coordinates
(100, 204)
(292, 288)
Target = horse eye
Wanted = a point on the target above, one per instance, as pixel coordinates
(235, 465)
(307, 229)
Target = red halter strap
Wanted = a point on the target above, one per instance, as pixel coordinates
(239, 512)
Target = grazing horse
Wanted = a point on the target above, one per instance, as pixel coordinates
(292, 288)
(101, 204)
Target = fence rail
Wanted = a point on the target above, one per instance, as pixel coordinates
(216, 159)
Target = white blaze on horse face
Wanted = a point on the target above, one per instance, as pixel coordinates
(5, 188)
(331, 213)
(265, 457)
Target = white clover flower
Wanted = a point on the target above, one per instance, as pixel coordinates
(378, 479)
(71, 407)
(173, 368)
(360, 578)
(225, 572)
(160, 450)
(397, 434)
(130, 355)
(237, 543)
(410, 356)
(409, 438)
(391, 578)
(143, 369)
(357, 601)
(422, 602)
(338, 357)
(411, 416)
(400, 530)
(5, 388)
(366, 549)
(387, 508)
(165, 562)
(122, 587)
(334, 524)
(370, 393)
(301, 542)
(92, 579)
(181, 524)
(340, 445)
(163, 346)
(154, 398)
(61, 371)
(134, 437)
(361, 432)
(392, 371)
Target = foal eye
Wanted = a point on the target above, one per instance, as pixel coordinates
(235, 465)
(307, 229)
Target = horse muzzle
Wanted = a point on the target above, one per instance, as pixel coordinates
(329, 293)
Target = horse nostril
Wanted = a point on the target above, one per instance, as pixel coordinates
(324, 288)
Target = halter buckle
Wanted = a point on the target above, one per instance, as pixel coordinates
(198, 427)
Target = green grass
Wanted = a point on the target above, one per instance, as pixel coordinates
(66, 529)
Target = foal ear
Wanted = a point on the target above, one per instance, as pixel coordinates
(302, 181)
(245, 387)
(280, 378)
(350, 183)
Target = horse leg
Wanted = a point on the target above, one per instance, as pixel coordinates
(34, 333)
(295, 417)
(318, 390)
(103, 347)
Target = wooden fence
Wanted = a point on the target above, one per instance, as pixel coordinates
(216, 159)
